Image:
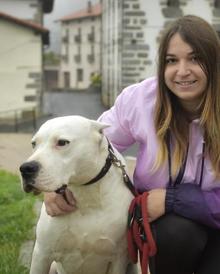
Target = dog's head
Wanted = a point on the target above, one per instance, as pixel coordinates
(65, 149)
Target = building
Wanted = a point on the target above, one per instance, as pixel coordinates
(22, 42)
(30, 10)
(131, 31)
(80, 48)
(21, 62)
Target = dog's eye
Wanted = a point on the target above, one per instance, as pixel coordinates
(33, 144)
(62, 142)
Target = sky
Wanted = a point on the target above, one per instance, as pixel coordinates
(61, 8)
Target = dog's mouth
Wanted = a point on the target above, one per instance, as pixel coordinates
(30, 188)
(61, 190)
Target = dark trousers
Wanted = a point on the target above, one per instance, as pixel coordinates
(184, 247)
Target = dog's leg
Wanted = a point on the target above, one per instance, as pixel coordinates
(121, 266)
(132, 269)
(40, 263)
(53, 268)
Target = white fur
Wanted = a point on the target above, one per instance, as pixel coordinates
(92, 239)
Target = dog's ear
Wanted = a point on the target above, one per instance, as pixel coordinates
(99, 126)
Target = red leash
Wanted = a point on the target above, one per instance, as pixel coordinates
(139, 235)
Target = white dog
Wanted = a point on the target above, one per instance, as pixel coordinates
(70, 152)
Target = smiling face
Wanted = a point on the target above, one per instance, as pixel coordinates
(183, 74)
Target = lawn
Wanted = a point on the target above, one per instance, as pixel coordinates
(17, 218)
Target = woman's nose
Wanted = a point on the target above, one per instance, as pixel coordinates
(183, 68)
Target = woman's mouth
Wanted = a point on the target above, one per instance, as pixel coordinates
(185, 83)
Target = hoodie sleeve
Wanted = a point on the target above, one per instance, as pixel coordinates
(116, 117)
(190, 201)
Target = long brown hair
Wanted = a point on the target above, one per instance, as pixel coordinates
(169, 115)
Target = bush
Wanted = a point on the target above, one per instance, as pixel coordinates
(96, 80)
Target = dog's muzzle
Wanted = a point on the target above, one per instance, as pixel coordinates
(29, 172)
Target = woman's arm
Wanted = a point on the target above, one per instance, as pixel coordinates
(190, 201)
(117, 117)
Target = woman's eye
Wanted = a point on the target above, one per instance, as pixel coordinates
(194, 59)
(62, 142)
(170, 60)
(33, 144)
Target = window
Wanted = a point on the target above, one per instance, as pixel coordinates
(217, 4)
(133, 41)
(79, 73)
(172, 10)
(66, 79)
(77, 37)
(173, 3)
(91, 35)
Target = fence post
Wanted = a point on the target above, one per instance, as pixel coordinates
(34, 119)
(16, 121)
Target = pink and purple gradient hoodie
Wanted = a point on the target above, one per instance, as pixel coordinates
(131, 120)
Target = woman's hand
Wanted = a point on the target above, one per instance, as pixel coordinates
(56, 204)
(156, 203)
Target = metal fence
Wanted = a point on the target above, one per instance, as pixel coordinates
(18, 120)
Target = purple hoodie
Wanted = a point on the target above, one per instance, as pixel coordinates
(131, 120)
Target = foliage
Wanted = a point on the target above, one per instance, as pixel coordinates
(16, 221)
(51, 58)
(96, 80)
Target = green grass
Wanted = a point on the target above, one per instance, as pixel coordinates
(16, 221)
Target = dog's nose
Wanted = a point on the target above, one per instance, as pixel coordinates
(29, 169)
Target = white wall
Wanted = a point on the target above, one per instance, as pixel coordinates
(20, 54)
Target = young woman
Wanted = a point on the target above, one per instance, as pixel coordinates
(175, 119)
